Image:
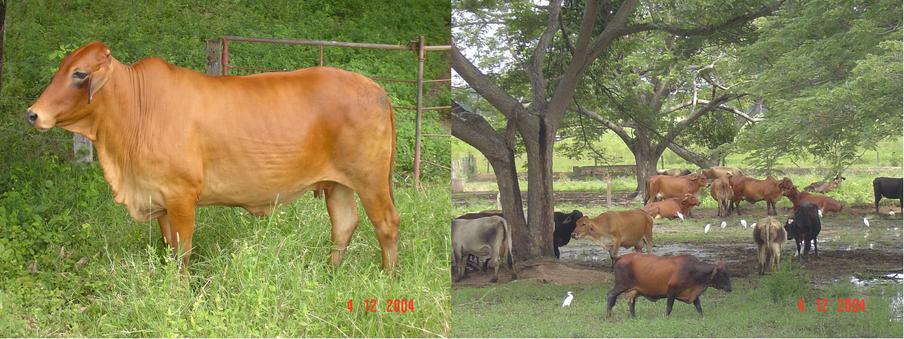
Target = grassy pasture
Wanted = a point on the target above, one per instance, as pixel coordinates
(94, 272)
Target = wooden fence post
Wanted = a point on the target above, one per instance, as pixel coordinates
(214, 56)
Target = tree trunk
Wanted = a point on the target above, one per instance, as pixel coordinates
(540, 197)
(645, 158)
(512, 207)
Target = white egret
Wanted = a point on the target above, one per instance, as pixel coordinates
(866, 221)
(820, 213)
(568, 300)
(723, 224)
(706, 229)
(753, 225)
(680, 216)
(744, 223)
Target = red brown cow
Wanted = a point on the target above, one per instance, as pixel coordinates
(170, 139)
(722, 193)
(753, 190)
(824, 203)
(623, 228)
(665, 186)
(682, 277)
(670, 207)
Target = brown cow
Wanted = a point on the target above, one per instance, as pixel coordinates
(682, 277)
(768, 235)
(626, 229)
(720, 171)
(824, 203)
(666, 186)
(670, 207)
(753, 190)
(170, 139)
(722, 193)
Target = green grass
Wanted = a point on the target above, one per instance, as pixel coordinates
(249, 276)
(531, 309)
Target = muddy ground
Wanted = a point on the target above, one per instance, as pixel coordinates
(846, 248)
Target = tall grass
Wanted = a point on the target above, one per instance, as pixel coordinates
(249, 276)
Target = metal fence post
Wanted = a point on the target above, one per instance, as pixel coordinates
(419, 109)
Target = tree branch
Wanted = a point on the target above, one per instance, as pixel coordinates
(701, 30)
(478, 81)
(535, 67)
(618, 130)
(474, 130)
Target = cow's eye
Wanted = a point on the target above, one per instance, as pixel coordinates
(79, 75)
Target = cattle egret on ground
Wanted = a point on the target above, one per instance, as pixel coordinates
(680, 216)
(744, 223)
(753, 225)
(866, 221)
(891, 213)
(568, 300)
(870, 245)
(706, 228)
(723, 224)
(820, 213)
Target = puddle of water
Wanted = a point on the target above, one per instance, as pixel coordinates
(896, 301)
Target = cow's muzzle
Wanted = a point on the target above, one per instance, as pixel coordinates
(31, 117)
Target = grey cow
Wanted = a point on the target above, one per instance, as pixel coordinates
(488, 236)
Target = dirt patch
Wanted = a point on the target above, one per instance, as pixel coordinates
(546, 271)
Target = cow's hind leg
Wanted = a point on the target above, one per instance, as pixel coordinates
(761, 257)
(340, 203)
(382, 213)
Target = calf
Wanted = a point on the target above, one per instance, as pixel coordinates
(670, 207)
(665, 186)
(824, 187)
(682, 277)
(889, 188)
(768, 236)
(804, 227)
(565, 224)
(722, 193)
(822, 202)
(624, 228)
(488, 236)
(753, 190)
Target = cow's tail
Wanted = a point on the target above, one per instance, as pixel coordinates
(392, 157)
(510, 259)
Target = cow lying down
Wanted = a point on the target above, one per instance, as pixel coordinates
(488, 236)
(682, 277)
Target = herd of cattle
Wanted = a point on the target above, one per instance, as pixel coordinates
(670, 195)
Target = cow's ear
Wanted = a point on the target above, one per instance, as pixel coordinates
(99, 77)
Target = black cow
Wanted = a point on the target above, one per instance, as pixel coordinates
(565, 224)
(889, 188)
(804, 227)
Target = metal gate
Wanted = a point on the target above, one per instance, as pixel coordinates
(218, 64)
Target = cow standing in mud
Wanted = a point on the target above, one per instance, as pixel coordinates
(622, 228)
(804, 228)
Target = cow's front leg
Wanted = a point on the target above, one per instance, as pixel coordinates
(697, 306)
(180, 213)
(166, 230)
(670, 301)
